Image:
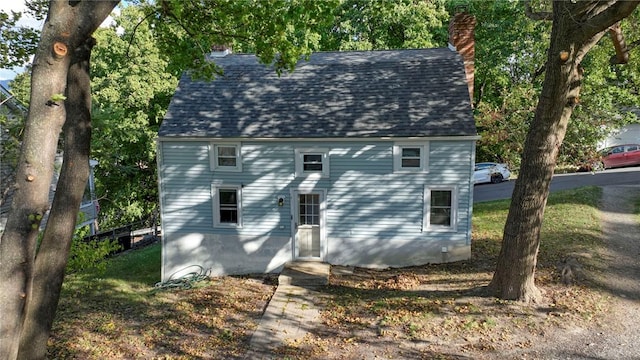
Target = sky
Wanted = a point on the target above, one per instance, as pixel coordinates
(7, 6)
(18, 5)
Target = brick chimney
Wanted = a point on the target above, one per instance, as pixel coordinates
(461, 38)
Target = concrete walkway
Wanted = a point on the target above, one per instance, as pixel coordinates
(292, 312)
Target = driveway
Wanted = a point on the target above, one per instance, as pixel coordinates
(624, 176)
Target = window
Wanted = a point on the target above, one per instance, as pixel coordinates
(410, 157)
(227, 206)
(312, 162)
(226, 157)
(440, 208)
(309, 210)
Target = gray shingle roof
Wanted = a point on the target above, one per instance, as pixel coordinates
(397, 93)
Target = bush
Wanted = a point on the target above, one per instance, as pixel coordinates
(89, 255)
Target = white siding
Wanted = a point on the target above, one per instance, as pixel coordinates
(374, 216)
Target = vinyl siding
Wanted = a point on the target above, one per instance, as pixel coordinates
(374, 217)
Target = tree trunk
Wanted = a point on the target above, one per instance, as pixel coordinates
(52, 256)
(572, 36)
(68, 25)
(31, 197)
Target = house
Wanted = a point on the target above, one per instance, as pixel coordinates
(358, 158)
(628, 134)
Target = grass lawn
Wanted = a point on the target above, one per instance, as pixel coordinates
(419, 312)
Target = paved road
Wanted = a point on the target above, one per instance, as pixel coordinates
(624, 176)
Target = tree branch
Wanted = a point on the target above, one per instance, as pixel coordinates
(135, 29)
(615, 60)
(608, 17)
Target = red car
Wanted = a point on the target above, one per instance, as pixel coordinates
(621, 155)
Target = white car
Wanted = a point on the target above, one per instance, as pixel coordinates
(488, 172)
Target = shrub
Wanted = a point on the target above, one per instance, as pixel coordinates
(89, 255)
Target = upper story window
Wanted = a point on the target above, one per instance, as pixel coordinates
(312, 162)
(226, 157)
(410, 157)
(440, 208)
(227, 206)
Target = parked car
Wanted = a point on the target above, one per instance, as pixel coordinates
(621, 155)
(489, 172)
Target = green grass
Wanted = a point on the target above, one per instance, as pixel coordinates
(571, 225)
(127, 275)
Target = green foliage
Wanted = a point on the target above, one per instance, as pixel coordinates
(132, 86)
(21, 87)
(89, 255)
(386, 24)
(510, 52)
(18, 42)
(58, 97)
(279, 32)
(609, 93)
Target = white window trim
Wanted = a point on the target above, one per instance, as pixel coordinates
(426, 221)
(216, 205)
(299, 157)
(213, 156)
(424, 157)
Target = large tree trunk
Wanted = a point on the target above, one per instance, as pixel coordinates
(576, 28)
(68, 25)
(52, 256)
(31, 197)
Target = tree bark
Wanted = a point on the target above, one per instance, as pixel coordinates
(52, 256)
(572, 36)
(68, 25)
(31, 197)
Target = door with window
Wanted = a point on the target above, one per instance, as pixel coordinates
(308, 221)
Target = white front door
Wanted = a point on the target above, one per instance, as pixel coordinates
(308, 224)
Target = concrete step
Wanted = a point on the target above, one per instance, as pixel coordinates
(305, 273)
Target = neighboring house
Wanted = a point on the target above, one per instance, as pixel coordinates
(355, 158)
(12, 112)
(628, 134)
(89, 207)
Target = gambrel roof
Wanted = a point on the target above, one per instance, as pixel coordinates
(359, 94)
